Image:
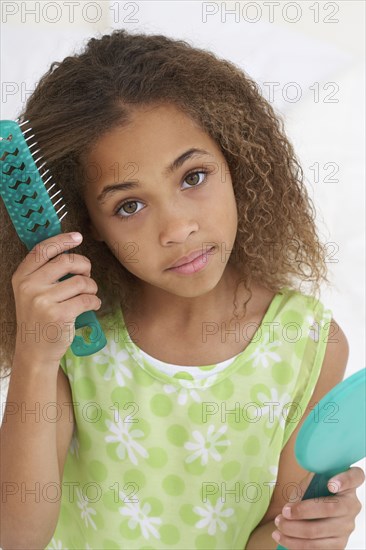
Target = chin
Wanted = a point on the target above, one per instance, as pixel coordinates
(190, 287)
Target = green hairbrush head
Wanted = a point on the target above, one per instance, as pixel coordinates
(34, 215)
(23, 191)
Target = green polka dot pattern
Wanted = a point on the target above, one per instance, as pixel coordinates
(182, 461)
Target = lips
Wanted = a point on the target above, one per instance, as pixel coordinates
(192, 256)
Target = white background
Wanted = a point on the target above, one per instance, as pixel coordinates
(311, 52)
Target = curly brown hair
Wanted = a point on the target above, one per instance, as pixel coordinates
(88, 94)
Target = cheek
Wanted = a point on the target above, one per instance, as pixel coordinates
(128, 254)
(132, 255)
(118, 237)
(225, 209)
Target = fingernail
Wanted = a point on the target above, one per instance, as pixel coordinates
(76, 237)
(277, 520)
(334, 485)
(276, 536)
(287, 511)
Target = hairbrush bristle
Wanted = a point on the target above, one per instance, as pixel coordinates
(34, 149)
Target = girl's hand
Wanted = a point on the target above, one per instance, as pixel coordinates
(326, 522)
(46, 309)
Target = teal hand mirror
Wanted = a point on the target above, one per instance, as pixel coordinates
(333, 438)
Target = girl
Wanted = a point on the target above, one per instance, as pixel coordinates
(196, 228)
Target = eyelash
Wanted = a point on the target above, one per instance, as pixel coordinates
(127, 217)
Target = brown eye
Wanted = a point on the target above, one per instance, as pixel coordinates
(127, 208)
(194, 178)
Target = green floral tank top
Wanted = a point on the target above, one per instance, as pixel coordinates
(165, 456)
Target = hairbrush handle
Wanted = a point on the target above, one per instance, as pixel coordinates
(317, 488)
(81, 346)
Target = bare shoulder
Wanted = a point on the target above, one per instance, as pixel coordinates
(332, 372)
(65, 426)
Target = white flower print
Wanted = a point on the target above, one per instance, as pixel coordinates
(57, 545)
(206, 447)
(182, 393)
(139, 516)
(86, 511)
(313, 328)
(126, 435)
(185, 391)
(114, 357)
(275, 406)
(212, 516)
(263, 352)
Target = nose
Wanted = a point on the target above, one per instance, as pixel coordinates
(177, 226)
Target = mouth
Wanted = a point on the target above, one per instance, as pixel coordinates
(197, 263)
(190, 258)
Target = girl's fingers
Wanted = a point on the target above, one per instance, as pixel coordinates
(45, 250)
(322, 507)
(315, 529)
(330, 543)
(351, 479)
(332, 515)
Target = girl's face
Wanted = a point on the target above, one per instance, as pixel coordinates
(165, 213)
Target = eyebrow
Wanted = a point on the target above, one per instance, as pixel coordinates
(110, 190)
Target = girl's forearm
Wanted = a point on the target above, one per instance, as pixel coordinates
(261, 539)
(28, 457)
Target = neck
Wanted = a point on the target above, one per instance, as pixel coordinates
(181, 313)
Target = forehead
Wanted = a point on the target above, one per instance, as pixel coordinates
(153, 134)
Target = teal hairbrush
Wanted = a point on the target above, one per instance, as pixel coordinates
(32, 212)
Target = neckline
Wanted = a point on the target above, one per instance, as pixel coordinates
(186, 379)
